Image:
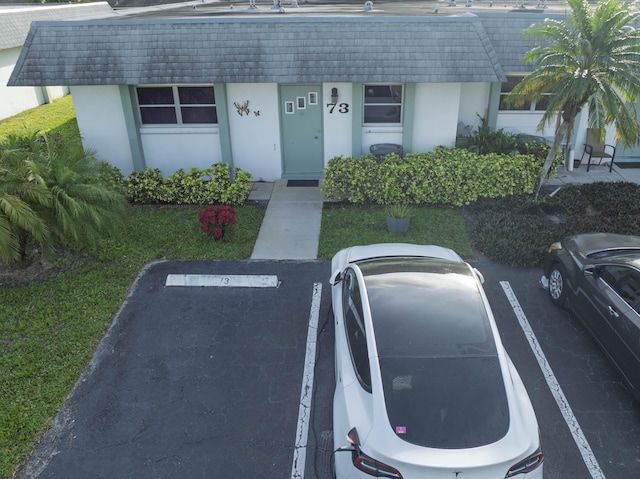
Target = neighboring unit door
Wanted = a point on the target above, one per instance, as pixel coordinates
(301, 113)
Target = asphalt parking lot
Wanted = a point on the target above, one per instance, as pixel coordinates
(235, 379)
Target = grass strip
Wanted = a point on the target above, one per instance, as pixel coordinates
(344, 226)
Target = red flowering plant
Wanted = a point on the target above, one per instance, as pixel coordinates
(215, 219)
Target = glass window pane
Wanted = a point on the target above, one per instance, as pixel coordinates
(510, 84)
(199, 114)
(158, 115)
(196, 95)
(541, 104)
(155, 95)
(526, 106)
(382, 114)
(383, 93)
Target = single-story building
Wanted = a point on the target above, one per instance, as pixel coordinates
(278, 91)
(15, 21)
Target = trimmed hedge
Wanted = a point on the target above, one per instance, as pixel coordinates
(186, 187)
(444, 176)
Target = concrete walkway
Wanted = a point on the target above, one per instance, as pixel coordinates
(291, 225)
(596, 172)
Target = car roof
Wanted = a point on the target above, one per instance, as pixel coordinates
(440, 370)
(426, 308)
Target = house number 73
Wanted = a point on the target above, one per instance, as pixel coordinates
(342, 107)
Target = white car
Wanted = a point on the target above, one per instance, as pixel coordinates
(424, 387)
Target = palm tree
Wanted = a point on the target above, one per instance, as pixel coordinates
(50, 192)
(591, 59)
(18, 194)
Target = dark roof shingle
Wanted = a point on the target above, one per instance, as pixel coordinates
(258, 50)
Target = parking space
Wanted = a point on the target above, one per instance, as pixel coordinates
(595, 432)
(211, 381)
(192, 381)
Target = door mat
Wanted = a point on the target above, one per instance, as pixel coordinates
(302, 183)
(627, 164)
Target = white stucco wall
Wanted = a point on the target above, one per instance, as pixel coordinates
(255, 140)
(474, 101)
(436, 115)
(15, 99)
(55, 92)
(523, 122)
(336, 125)
(170, 148)
(102, 125)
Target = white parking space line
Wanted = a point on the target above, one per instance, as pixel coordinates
(218, 280)
(306, 393)
(578, 436)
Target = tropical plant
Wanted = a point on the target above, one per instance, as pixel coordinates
(399, 210)
(50, 193)
(215, 219)
(591, 59)
(18, 220)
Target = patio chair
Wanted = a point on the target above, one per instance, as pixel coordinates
(597, 150)
(381, 150)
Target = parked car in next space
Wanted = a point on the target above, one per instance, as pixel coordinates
(424, 387)
(597, 277)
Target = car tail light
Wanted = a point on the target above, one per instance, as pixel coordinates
(526, 465)
(367, 464)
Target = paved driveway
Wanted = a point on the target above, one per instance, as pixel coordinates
(206, 382)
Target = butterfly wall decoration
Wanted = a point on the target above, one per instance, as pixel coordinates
(243, 108)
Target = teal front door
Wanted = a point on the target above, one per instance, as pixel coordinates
(301, 113)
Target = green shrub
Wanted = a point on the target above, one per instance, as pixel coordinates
(191, 187)
(112, 176)
(238, 191)
(186, 187)
(146, 186)
(443, 176)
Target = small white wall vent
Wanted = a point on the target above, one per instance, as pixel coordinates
(368, 6)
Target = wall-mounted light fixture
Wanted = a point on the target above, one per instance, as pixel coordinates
(334, 95)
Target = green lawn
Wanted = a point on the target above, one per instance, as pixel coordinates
(344, 226)
(49, 329)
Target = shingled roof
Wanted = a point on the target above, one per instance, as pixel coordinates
(507, 38)
(15, 21)
(258, 50)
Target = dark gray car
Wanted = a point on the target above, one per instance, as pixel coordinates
(597, 277)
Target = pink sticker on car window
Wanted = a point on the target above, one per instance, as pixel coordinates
(401, 429)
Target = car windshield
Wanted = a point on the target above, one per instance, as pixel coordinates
(441, 375)
(427, 308)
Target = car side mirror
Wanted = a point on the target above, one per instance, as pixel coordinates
(589, 270)
(336, 277)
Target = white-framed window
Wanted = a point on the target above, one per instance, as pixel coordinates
(383, 104)
(177, 105)
(512, 81)
(313, 98)
(288, 107)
